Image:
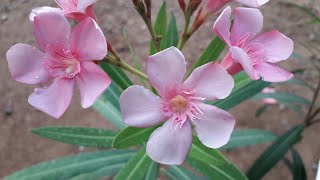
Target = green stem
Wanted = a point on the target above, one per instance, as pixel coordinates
(309, 116)
(123, 65)
(185, 35)
(155, 38)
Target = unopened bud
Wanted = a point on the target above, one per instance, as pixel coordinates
(182, 5)
(194, 4)
(136, 2)
(148, 6)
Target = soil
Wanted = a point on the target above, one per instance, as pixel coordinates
(19, 148)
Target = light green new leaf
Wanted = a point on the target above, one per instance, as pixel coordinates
(172, 34)
(242, 138)
(222, 172)
(178, 173)
(275, 152)
(211, 53)
(81, 136)
(117, 75)
(108, 105)
(244, 89)
(132, 136)
(207, 155)
(67, 167)
(160, 28)
(136, 168)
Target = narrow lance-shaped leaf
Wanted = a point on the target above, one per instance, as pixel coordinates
(90, 137)
(283, 97)
(100, 173)
(117, 75)
(160, 28)
(152, 172)
(275, 153)
(296, 166)
(136, 168)
(67, 167)
(172, 34)
(178, 172)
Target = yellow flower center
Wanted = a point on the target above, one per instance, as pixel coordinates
(179, 103)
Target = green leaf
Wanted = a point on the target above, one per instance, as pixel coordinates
(283, 97)
(160, 28)
(133, 55)
(300, 83)
(244, 89)
(153, 171)
(67, 167)
(132, 136)
(223, 172)
(241, 138)
(100, 173)
(211, 53)
(108, 105)
(179, 172)
(261, 109)
(117, 75)
(207, 155)
(136, 168)
(275, 152)
(90, 137)
(297, 166)
(172, 34)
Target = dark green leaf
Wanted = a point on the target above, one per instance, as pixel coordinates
(80, 136)
(261, 109)
(117, 75)
(100, 173)
(207, 155)
(297, 166)
(223, 172)
(71, 166)
(153, 171)
(241, 138)
(211, 53)
(300, 83)
(131, 136)
(179, 172)
(172, 34)
(160, 28)
(275, 152)
(244, 89)
(283, 97)
(136, 168)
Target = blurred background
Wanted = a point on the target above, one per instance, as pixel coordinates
(19, 148)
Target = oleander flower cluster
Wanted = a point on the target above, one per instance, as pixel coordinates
(67, 57)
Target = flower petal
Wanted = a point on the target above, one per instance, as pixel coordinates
(55, 99)
(214, 127)
(211, 81)
(166, 69)
(240, 56)
(92, 82)
(278, 46)
(84, 4)
(223, 24)
(39, 10)
(170, 144)
(140, 107)
(272, 72)
(51, 28)
(88, 41)
(247, 21)
(26, 64)
(253, 3)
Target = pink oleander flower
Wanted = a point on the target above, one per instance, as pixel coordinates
(215, 5)
(181, 104)
(66, 60)
(269, 100)
(255, 54)
(74, 9)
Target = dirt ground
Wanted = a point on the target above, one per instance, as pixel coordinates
(19, 148)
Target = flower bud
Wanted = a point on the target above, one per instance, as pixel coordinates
(182, 5)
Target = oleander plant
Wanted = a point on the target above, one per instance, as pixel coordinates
(174, 123)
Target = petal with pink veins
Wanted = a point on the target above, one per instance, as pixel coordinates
(92, 82)
(240, 56)
(39, 10)
(272, 72)
(278, 46)
(51, 28)
(222, 25)
(26, 64)
(170, 144)
(88, 41)
(253, 3)
(140, 107)
(247, 21)
(214, 126)
(210, 81)
(166, 69)
(55, 99)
